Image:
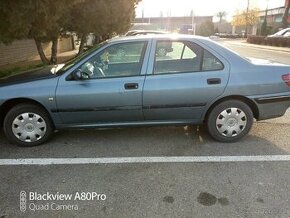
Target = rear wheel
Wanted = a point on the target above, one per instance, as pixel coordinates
(229, 121)
(27, 125)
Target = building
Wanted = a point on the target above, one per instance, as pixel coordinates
(274, 17)
(274, 21)
(171, 23)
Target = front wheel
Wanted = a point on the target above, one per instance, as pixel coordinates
(27, 125)
(229, 121)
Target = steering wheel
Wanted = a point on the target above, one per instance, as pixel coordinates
(98, 69)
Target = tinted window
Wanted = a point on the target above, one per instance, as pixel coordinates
(175, 57)
(124, 59)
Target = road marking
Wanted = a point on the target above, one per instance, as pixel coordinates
(126, 160)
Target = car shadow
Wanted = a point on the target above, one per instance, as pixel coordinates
(149, 141)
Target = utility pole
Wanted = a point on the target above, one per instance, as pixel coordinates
(192, 22)
(247, 18)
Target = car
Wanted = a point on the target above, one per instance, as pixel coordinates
(144, 32)
(282, 33)
(199, 82)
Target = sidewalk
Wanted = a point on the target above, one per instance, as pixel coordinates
(62, 57)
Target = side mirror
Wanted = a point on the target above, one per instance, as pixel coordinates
(79, 75)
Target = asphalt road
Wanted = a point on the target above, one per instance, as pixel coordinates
(275, 54)
(185, 189)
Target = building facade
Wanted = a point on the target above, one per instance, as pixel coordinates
(171, 23)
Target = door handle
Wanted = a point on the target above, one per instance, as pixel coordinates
(131, 86)
(213, 81)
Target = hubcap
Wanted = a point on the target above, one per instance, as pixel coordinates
(231, 122)
(29, 127)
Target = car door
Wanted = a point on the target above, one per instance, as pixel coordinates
(182, 82)
(110, 90)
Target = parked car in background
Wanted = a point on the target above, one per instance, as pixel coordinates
(131, 32)
(198, 82)
(282, 33)
(162, 49)
(144, 32)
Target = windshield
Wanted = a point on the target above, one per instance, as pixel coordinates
(76, 59)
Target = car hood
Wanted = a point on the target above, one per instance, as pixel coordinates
(29, 76)
(258, 61)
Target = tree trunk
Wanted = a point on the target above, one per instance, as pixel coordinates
(82, 45)
(285, 16)
(40, 51)
(53, 58)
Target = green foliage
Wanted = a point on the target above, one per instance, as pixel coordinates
(264, 28)
(285, 16)
(270, 41)
(41, 19)
(100, 17)
(45, 20)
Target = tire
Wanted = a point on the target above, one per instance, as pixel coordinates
(27, 125)
(229, 121)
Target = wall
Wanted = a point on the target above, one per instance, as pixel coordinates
(25, 50)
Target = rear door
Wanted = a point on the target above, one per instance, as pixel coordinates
(183, 81)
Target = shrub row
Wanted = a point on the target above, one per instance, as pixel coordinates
(273, 41)
(228, 35)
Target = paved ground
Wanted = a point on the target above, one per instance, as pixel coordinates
(207, 189)
(275, 54)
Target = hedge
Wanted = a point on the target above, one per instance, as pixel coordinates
(272, 41)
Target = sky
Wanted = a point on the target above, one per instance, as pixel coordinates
(153, 8)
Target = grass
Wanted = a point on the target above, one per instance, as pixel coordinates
(29, 65)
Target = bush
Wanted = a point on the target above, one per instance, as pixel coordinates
(271, 41)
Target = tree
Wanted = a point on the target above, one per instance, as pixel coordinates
(264, 30)
(221, 15)
(285, 15)
(40, 20)
(245, 18)
(206, 28)
(45, 20)
(101, 17)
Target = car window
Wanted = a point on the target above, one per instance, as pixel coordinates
(75, 60)
(210, 62)
(177, 56)
(120, 60)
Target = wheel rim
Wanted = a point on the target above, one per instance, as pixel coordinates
(29, 127)
(231, 122)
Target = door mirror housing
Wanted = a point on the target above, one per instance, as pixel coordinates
(80, 75)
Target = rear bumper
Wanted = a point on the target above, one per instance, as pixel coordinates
(272, 106)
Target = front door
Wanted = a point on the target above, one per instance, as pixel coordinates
(111, 90)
